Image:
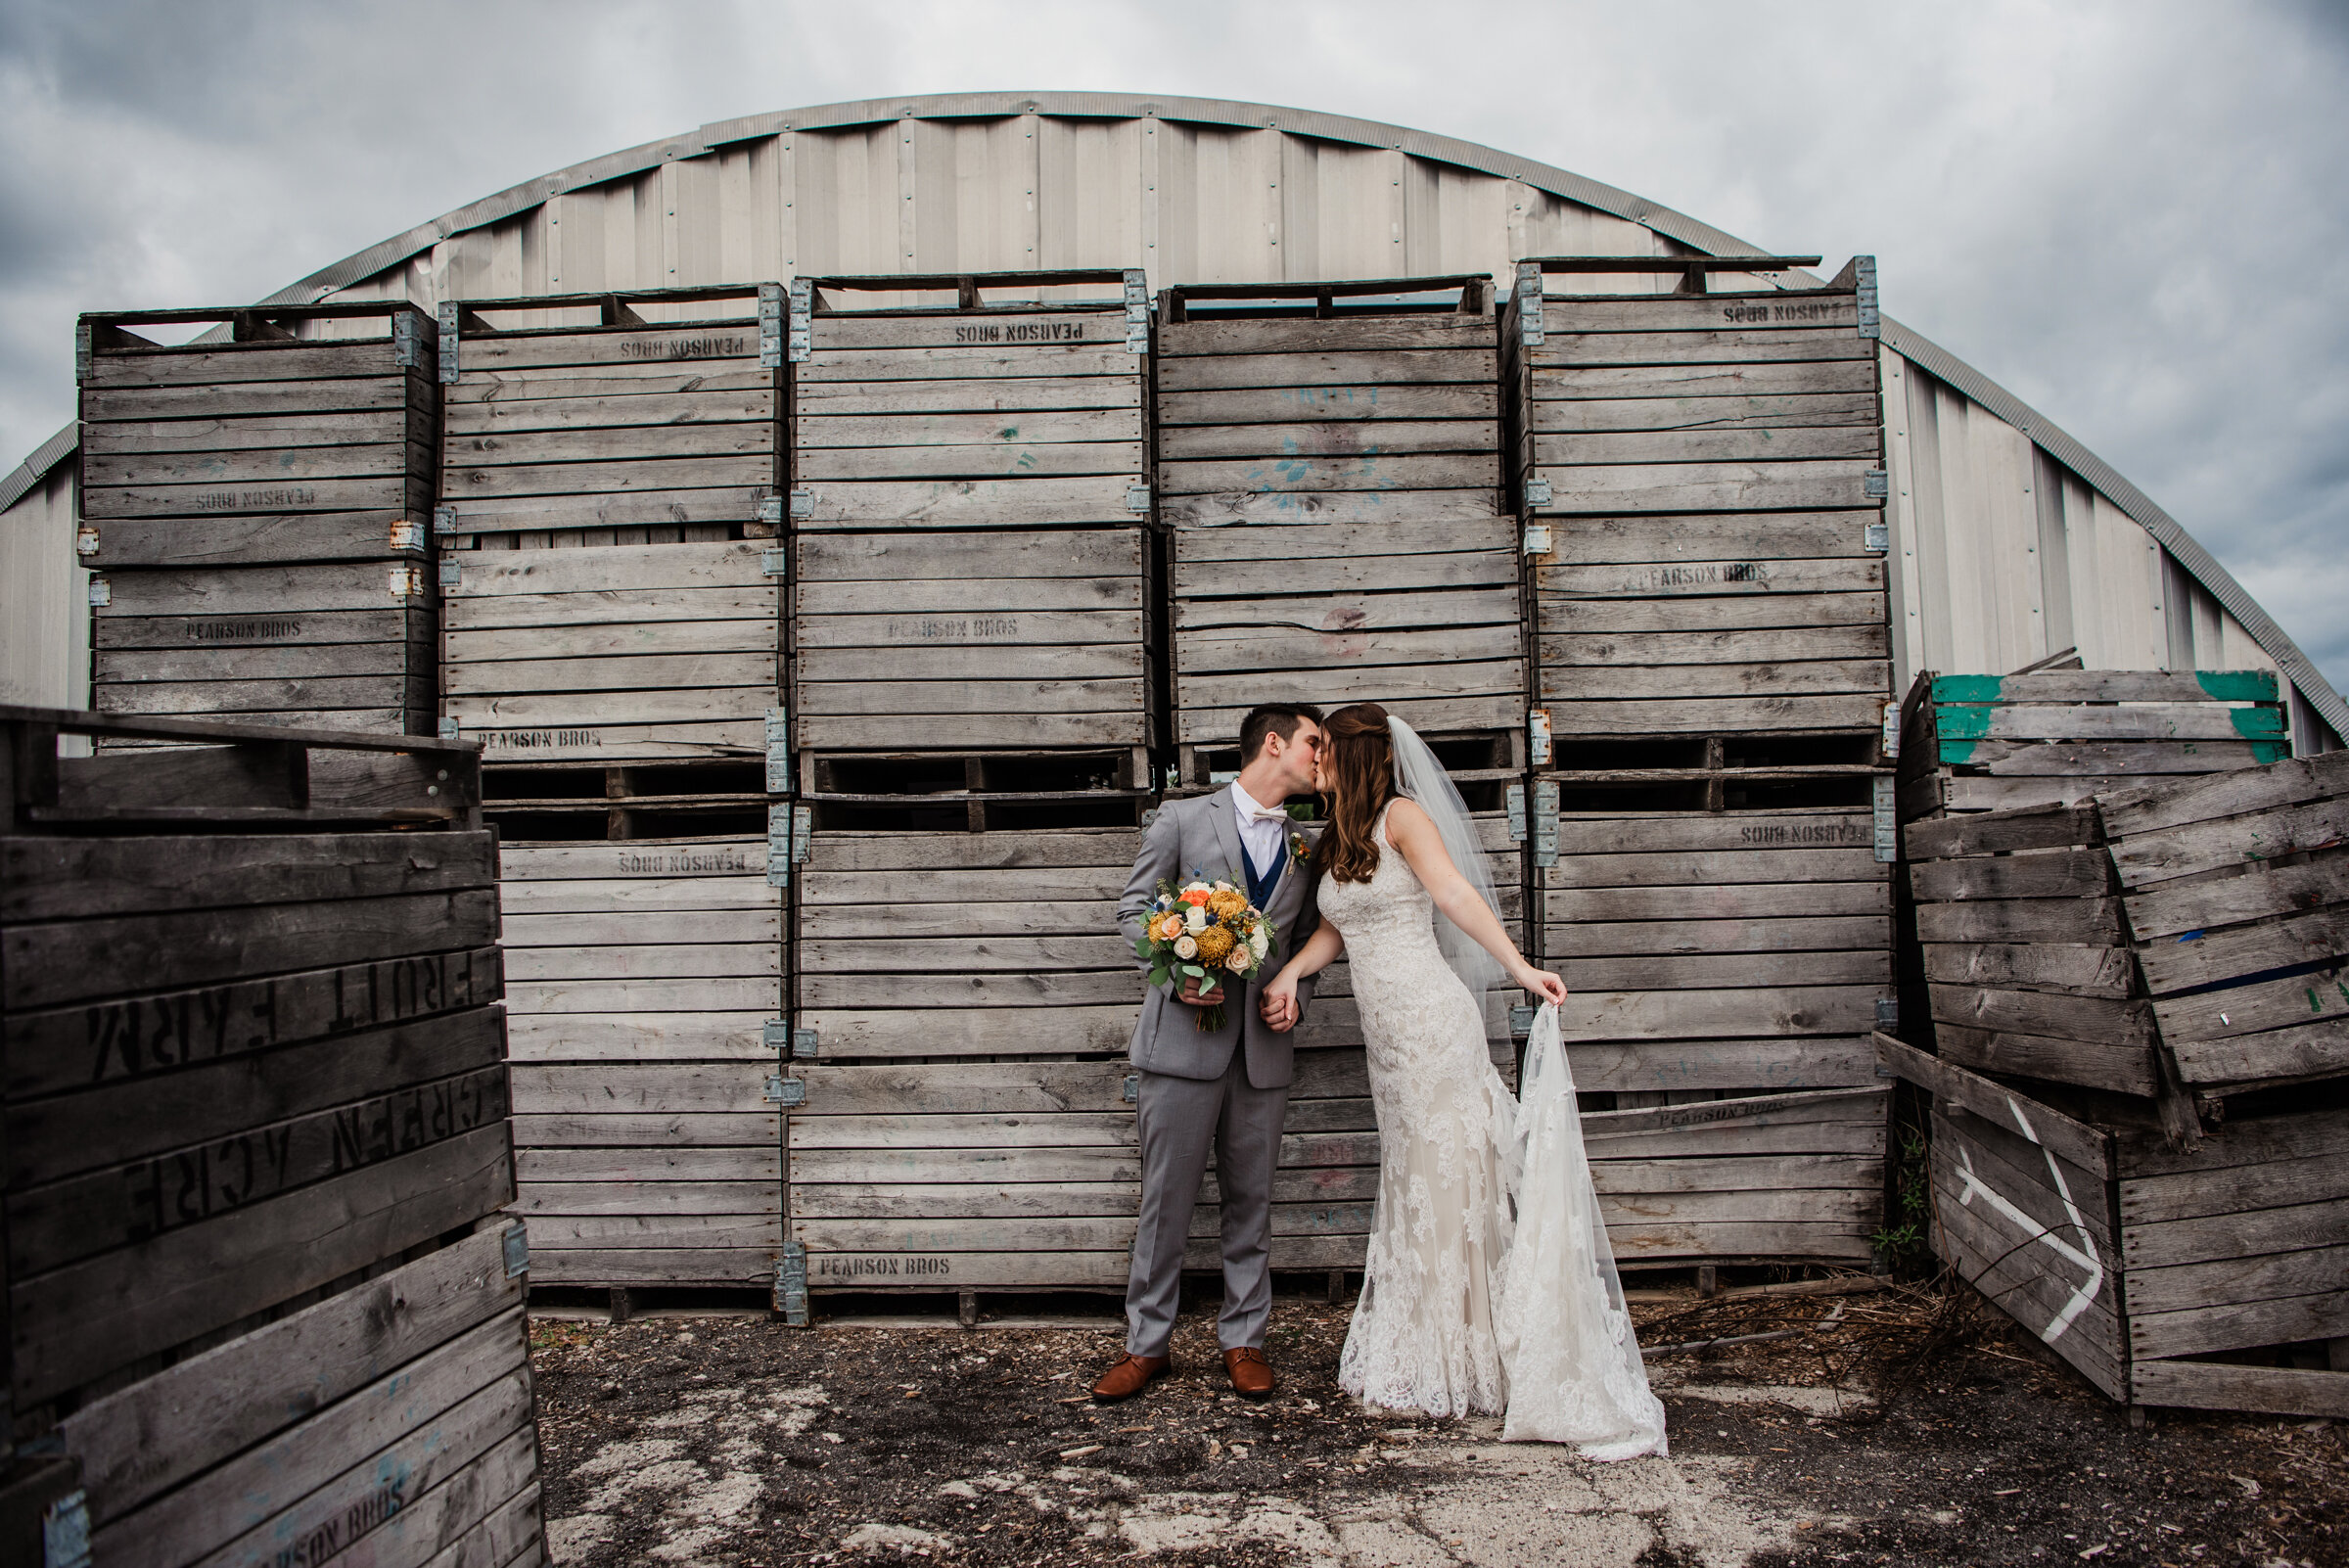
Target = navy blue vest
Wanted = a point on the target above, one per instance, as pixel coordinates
(1260, 889)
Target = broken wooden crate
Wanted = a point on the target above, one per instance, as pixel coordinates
(645, 418)
(1734, 961)
(1330, 402)
(973, 411)
(2209, 1278)
(618, 654)
(983, 640)
(259, 1286)
(1987, 743)
(256, 502)
(2179, 939)
(646, 983)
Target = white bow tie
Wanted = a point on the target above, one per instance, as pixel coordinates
(1269, 814)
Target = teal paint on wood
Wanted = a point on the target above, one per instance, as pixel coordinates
(2256, 722)
(2271, 751)
(1967, 689)
(1962, 724)
(2238, 685)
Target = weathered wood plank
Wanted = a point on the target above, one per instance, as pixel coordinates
(1755, 411)
(833, 465)
(1244, 507)
(1355, 335)
(1367, 470)
(1695, 1015)
(1381, 368)
(2209, 1386)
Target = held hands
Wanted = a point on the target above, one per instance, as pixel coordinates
(1279, 1003)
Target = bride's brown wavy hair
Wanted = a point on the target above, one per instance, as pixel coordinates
(1358, 763)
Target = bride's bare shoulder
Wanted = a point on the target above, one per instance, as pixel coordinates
(1407, 814)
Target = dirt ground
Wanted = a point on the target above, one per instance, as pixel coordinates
(1898, 1426)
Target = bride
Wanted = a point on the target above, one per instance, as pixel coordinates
(1489, 1286)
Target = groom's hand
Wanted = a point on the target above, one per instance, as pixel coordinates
(1193, 995)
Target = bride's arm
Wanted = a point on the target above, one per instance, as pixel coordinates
(1278, 999)
(1411, 830)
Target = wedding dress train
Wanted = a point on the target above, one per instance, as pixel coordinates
(1489, 1286)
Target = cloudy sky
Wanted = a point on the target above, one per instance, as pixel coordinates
(2134, 215)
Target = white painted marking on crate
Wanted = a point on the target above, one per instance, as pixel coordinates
(2083, 1256)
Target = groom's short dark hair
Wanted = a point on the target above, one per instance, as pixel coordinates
(1272, 718)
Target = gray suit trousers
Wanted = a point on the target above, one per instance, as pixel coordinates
(1180, 1117)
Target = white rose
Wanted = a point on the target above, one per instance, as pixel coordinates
(1239, 960)
(1197, 918)
(1186, 948)
(1259, 942)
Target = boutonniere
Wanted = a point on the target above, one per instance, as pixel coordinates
(1301, 849)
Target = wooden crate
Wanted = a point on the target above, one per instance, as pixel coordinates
(973, 640)
(1278, 403)
(978, 413)
(2026, 949)
(1727, 959)
(258, 507)
(1987, 743)
(644, 417)
(1695, 402)
(616, 654)
(2209, 1277)
(1422, 615)
(2236, 891)
(642, 978)
(252, 1073)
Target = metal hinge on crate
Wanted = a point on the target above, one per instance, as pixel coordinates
(770, 326)
(1148, 818)
(1537, 733)
(65, 1532)
(778, 750)
(406, 582)
(407, 534)
(1536, 539)
(1545, 822)
(445, 521)
(1515, 796)
(1892, 729)
(1864, 272)
(802, 320)
(453, 572)
(1537, 493)
(102, 593)
(85, 540)
(407, 338)
(1876, 537)
(780, 1036)
(1888, 1013)
(1521, 1019)
(516, 1244)
(802, 503)
(791, 1284)
(781, 1090)
(1876, 485)
(451, 729)
(770, 512)
(774, 563)
(1137, 499)
(1529, 304)
(787, 831)
(449, 342)
(1137, 312)
(1130, 1091)
(1884, 799)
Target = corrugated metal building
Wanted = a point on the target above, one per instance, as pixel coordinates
(2012, 540)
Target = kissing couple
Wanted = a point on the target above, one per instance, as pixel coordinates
(1489, 1287)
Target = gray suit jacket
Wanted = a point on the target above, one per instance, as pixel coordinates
(1201, 836)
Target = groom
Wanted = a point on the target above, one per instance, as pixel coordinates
(1228, 1089)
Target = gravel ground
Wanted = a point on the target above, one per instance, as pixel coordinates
(1898, 1426)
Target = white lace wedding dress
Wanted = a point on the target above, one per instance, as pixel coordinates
(1488, 1285)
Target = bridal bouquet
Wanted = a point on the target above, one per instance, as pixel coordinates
(1205, 930)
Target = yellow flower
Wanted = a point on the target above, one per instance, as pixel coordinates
(1215, 946)
(1228, 905)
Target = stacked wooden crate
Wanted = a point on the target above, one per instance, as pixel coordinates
(259, 1288)
(975, 702)
(1329, 469)
(258, 509)
(1700, 476)
(1987, 743)
(2140, 1158)
(613, 577)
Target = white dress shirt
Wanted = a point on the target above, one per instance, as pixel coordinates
(1261, 830)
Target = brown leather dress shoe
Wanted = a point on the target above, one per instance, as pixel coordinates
(1251, 1374)
(1131, 1376)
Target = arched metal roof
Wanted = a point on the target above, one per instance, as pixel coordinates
(1338, 132)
